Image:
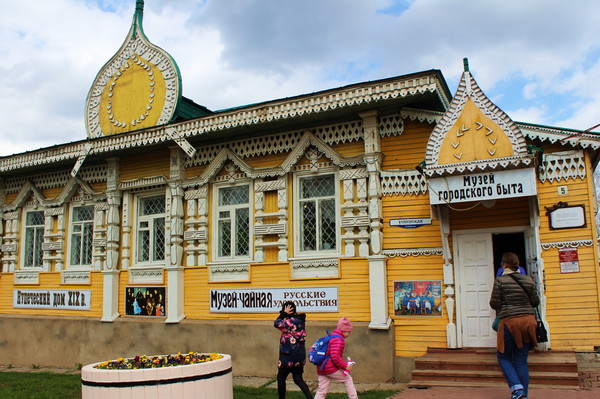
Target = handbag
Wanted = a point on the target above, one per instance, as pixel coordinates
(495, 324)
(540, 330)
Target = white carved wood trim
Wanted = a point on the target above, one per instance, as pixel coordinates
(566, 244)
(402, 182)
(261, 229)
(87, 174)
(314, 268)
(146, 182)
(146, 275)
(391, 125)
(421, 115)
(26, 277)
(229, 272)
(75, 277)
(405, 252)
(562, 166)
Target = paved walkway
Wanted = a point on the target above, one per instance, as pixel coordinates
(495, 393)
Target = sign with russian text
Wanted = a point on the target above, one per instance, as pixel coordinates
(569, 260)
(411, 223)
(482, 186)
(270, 300)
(52, 299)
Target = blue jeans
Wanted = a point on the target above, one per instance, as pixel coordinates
(513, 363)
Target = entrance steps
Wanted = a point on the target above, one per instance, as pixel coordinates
(478, 367)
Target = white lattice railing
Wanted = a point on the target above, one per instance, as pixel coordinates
(403, 182)
(562, 166)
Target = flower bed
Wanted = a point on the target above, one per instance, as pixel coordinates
(172, 376)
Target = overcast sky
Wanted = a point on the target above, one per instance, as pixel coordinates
(538, 60)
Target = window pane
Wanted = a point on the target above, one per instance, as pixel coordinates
(37, 249)
(317, 186)
(224, 238)
(233, 195)
(242, 224)
(88, 238)
(35, 218)
(159, 239)
(309, 227)
(152, 206)
(83, 213)
(76, 249)
(328, 228)
(143, 246)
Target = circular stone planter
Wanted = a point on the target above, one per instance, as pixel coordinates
(211, 379)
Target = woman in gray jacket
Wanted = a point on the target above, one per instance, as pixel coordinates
(514, 298)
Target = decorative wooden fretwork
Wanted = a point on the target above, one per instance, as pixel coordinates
(264, 227)
(146, 275)
(562, 166)
(355, 219)
(229, 272)
(402, 182)
(26, 277)
(566, 244)
(52, 246)
(91, 174)
(196, 226)
(391, 125)
(310, 268)
(474, 135)
(100, 236)
(279, 143)
(421, 115)
(75, 277)
(10, 241)
(405, 252)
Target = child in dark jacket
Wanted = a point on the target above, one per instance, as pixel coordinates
(335, 367)
(292, 351)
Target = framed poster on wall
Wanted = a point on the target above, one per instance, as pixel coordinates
(145, 301)
(419, 298)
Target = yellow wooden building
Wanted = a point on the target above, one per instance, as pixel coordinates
(172, 227)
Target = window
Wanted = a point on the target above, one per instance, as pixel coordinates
(34, 236)
(82, 235)
(317, 205)
(151, 230)
(233, 222)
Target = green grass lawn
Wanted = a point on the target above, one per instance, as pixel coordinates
(46, 385)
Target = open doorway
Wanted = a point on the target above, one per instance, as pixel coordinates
(509, 242)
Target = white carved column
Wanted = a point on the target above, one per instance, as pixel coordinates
(348, 209)
(110, 302)
(259, 207)
(126, 221)
(377, 261)
(99, 241)
(282, 197)
(174, 236)
(47, 244)
(448, 269)
(9, 241)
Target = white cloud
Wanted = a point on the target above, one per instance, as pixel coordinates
(539, 60)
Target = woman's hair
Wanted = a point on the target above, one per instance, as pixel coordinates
(290, 303)
(511, 260)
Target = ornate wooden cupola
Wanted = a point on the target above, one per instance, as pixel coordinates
(139, 87)
(474, 136)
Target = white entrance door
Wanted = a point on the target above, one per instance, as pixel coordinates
(475, 283)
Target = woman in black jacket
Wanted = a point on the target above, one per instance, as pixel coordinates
(292, 351)
(514, 298)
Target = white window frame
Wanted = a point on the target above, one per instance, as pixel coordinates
(24, 249)
(71, 231)
(149, 218)
(217, 187)
(298, 228)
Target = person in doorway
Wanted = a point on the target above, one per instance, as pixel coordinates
(335, 367)
(292, 351)
(514, 298)
(501, 270)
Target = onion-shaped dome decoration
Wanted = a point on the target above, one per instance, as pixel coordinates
(139, 87)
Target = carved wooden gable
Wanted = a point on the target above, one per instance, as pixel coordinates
(474, 135)
(139, 87)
